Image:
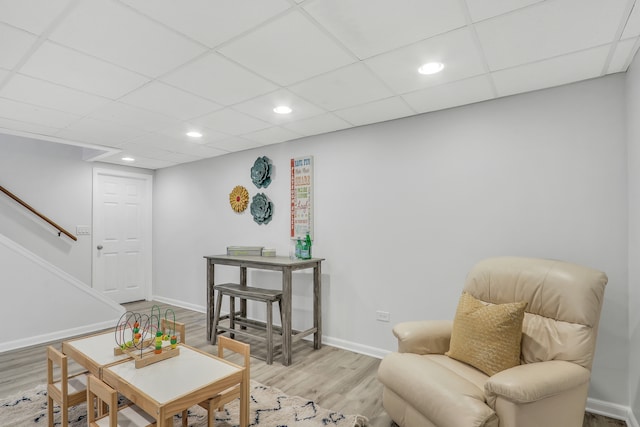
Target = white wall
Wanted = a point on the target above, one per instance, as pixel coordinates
(405, 208)
(633, 137)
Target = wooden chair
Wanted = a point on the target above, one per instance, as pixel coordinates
(232, 393)
(233, 291)
(178, 327)
(130, 415)
(64, 390)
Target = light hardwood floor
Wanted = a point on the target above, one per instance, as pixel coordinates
(337, 379)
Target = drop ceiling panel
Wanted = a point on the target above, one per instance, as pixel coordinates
(483, 9)
(169, 101)
(552, 72)
(219, 80)
(13, 126)
(377, 111)
(287, 50)
(632, 27)
(233, 122)
(69, 68)
(14, 44)
(323, 123)
(456, 50)
(262, 107)
(34, 16)
(23, 112)
(548, 29)
(40, 92)
(450, 95)
(100, 132)
(346, 87)
(135, 43)
(271, 135)
(153, 141)
(118, 112)
(235, 144)
(210, 22)
(370, 27)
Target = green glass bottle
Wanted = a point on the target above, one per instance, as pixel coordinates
(299, 248)
(307, 243)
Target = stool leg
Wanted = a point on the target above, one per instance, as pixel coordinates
(269, 332)
(232, 315)
(216, 319)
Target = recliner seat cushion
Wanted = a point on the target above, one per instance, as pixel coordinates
(452, 397)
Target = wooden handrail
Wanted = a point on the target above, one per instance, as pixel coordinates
(35, 212)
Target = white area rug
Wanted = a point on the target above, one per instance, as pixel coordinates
(270, 407)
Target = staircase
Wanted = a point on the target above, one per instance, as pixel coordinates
(42, 303)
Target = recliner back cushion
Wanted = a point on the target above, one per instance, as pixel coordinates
(563, 304)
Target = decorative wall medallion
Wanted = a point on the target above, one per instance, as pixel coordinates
(261, 172)
(239, 198)
(261, 209)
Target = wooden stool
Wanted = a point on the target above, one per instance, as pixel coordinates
(234, 290)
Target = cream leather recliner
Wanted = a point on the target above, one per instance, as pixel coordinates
(425, 388)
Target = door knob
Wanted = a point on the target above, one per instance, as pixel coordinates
(99, 247)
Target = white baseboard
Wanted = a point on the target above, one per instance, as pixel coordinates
(181, 304)
(56, 336)
(612, 410)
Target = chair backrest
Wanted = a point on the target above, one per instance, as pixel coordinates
(564, 304)
(101, 391)
(178, 327)
(226, 343)
(56, 359)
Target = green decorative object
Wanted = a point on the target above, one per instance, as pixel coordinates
(261, 209)
(261, 172)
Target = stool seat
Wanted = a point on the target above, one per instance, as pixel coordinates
(235, 290)
(249, 292)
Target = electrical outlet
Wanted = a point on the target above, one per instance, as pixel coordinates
(383, 316)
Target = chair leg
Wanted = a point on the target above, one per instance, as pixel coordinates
(185, 418)
(64, 412)
(50, 411)
(269, 332)
(216, 319)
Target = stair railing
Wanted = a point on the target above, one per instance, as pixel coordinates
(38, 214)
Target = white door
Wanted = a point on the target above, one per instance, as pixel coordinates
(122, 235)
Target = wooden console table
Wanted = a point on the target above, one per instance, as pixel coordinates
(286, 266)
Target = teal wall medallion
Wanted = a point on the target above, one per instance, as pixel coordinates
(261, 172)
(261, 209)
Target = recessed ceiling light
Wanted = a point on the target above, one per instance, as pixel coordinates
(128, 159)
(282, 109)
(431, 68)
(194, 134)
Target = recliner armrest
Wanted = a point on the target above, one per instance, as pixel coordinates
(535, 381)
(423, 337)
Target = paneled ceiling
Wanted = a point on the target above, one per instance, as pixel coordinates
(130, 78)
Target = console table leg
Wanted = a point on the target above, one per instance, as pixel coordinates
(286, 316)
(317, 306)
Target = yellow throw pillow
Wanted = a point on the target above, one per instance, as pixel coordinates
(487, 337)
